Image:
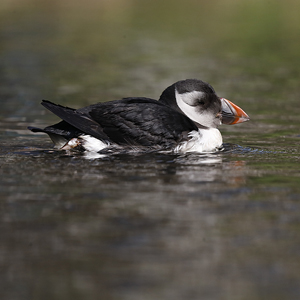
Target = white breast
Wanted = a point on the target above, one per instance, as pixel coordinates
(203, 140)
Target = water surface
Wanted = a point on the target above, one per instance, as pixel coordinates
(152, 226)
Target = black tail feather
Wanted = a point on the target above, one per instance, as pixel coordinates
(35, 129)
(77, 119)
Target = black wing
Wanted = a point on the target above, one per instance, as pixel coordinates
(140, 121)
(130, 121)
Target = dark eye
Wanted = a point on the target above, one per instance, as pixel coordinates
(201, 102)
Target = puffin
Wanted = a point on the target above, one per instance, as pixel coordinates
(183, 120)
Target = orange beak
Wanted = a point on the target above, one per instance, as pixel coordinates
(232, 114)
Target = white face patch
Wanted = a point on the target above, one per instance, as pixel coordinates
(191, 98)
(187, 102)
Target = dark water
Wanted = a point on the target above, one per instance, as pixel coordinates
(217, 226)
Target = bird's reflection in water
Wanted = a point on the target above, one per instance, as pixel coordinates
(161, 168)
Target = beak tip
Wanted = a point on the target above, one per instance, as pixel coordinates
(232, 114)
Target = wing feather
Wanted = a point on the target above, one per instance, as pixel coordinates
(141, 121)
